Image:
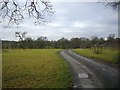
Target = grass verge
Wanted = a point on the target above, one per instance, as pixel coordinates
(107, 55)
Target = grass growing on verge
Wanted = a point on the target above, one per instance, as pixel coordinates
(107, 55)
(36, 68)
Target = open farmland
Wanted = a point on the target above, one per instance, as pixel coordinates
(107, 55)
(36, 68)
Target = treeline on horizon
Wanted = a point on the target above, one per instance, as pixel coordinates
(63, 43)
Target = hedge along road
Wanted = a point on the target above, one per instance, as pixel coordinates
(88, 73)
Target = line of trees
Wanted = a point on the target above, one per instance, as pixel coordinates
(94, 43)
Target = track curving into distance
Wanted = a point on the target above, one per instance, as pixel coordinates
(88, 73)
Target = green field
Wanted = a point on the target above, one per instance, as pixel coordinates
(107, 55)
(36, 68)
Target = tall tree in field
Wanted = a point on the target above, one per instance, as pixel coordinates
(14, 11)
(97, 44)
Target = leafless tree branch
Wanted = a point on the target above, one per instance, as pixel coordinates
(114, 5)
(20, 35)
(37, 9)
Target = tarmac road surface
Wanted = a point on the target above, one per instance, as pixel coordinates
(88, 73)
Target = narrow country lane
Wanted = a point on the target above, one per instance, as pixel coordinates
(87, 73)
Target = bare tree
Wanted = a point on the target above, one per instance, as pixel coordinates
(16, 10)
(114, 5)
(21, 36)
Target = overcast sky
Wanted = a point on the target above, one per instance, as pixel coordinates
(71, 19)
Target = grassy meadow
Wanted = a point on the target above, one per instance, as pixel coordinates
(107, 54)
(34, 68)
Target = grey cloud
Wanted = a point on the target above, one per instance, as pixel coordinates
(71, 19)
